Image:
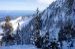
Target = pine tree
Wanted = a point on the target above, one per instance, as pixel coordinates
(7, 28)
(18, 37)
(69, 4)
(37, 37)
(46, 41)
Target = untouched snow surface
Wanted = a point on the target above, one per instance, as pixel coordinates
(19, 47)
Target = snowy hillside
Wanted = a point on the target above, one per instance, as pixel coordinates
(17, 24)
(19, 47)
(65, 46)
(22, 21)
(53, 18)
(57, 15)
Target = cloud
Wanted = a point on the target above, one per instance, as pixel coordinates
(43, 4)
(24, 4)
(45, 1)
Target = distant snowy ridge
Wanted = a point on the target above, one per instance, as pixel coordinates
(20, 20)
(23, 21)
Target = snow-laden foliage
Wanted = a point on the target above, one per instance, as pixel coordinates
(53, 19)
(57, 15)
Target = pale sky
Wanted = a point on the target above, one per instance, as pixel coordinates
(24, 4)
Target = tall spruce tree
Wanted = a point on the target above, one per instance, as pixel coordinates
(37, 37)
(18, 37)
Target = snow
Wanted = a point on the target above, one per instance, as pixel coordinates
(66, 45)
(19, 47)
(23, 21)
(20, 20)
(1, 30)
(47, 16)
(1, 38)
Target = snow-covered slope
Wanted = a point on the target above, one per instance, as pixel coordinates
(53, 18)
(18, 47)
(17, 24)
(57, 15)
(21, 20)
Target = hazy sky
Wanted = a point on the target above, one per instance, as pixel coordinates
(24, 4)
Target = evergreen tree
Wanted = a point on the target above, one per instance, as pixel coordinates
(46, 41)
(69, 4)
(54, 45)
(7, 28)
(37, 37)
(18, 37)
